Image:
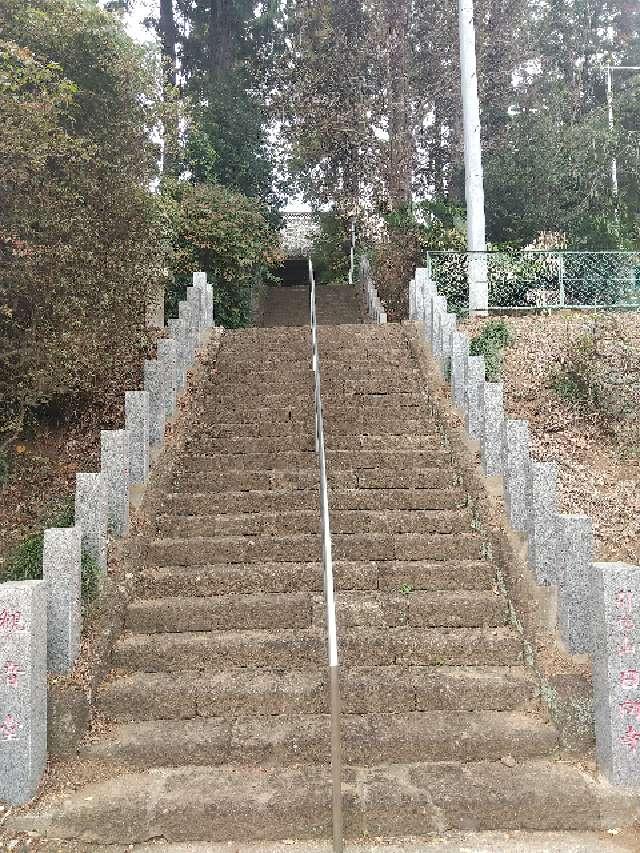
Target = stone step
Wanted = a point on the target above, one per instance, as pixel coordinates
(229, 578)
(227, 804)
(334, 426)
(189, 694)
(218, 403)
(343, 460)
(158, 503)
(261, 611)
(254, 611)
(205, 445)
(372, 479)
(367, 739)
(304, 411)
(308, 521)
(194, 551)
(301, 649)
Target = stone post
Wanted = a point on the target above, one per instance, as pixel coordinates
(412, 300)
(439, 309)
(62, 572)
(200, 282)
(429, 300)
(447, 328)
(185, 311)
(23, 689)
(91, 516)
(542, 526)
(168, 357)
(136, 410)
(194, 298)
(515, 450)
(114, 465)
(493, 419)
(459, 356)
(616, 671)
(575, 582)
(419, 291)
(177, 331)
(474, 396)
(154, 385)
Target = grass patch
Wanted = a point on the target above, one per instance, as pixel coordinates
(491, 343)
(24, 562)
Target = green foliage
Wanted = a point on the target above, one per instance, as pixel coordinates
(491, 343)
(79, 229)
(25, 561)
(331, 249)
(221, 232)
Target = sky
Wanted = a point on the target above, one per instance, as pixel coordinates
(141, 9)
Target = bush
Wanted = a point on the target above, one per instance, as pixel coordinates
(600, 372)
(79, 228)
(491, 343)
(331, 250)
(25, 561)
(223, 233)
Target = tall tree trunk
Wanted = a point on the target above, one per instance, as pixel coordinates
(168, 47)
(401, 153)
(220, 37)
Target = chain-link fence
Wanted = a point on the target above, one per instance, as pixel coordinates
(542, 279)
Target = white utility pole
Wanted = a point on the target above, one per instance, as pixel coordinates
(473, 177)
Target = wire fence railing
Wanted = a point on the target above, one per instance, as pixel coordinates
(329, 592)
(541, 278)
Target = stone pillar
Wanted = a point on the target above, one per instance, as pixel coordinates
(616, 671)
(448, 325)
(136, 409)
(91, 516)
(515, 458)
(419, 291)
(439, 309)
(542, 525)
(430, 299)
(200, 282)
(185, 311)
(177, 330)
(459, 356)
(154, 385)
(62, 572)
(492, 421)
(575, 582)
(194, 299)
(412, 300)
(154, 313)
(383, 318)
(474, 396)
(23, 689)
(168, 357)
(114, 465)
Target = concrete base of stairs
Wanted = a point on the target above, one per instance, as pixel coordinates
(467, 842)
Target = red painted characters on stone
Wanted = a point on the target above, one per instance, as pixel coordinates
(10, 727)
(631, 738)
(629, 679)
(13, 671)
(630, 707)
(11, 620)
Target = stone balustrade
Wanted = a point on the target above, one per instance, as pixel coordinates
(40, 621)
(598, 603)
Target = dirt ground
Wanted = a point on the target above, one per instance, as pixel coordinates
(598, 453)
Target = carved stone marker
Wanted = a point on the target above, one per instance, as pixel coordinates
(91, 516)
(114, 466)
(542, 526)
(61, 570)
(185, 312)
(178, 332)
(515, 450)
(136, 410)
(575, 582)
(23, 689)
(616, 671)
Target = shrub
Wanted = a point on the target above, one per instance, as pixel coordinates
(25, 561)
(330, 252)
(79, 228)
(491, 343)
(223, 233)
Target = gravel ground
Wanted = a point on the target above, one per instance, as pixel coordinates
(598, 454)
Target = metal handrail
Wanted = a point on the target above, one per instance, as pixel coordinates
(329, 593)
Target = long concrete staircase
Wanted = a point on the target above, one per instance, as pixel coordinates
(213, 726)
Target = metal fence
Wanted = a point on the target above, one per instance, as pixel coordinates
(543, 279)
